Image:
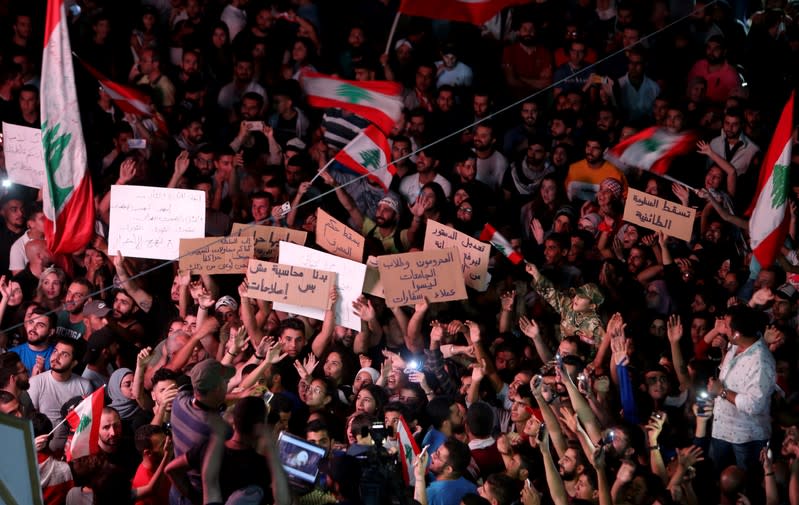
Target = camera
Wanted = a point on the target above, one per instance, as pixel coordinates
(542, 431)
(610, 436)
(167, 427)
(411, 367)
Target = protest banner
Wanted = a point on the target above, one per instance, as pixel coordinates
(216, 255)
(308, 287)
(659, 214)
(268, 238)
(410, 277)
(474, 254)
(24, 155)
(349, 282)
(337, 238)
(149, 222)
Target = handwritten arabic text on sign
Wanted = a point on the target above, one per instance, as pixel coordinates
(409, 277)
(658, 214)
(24, 155)
(286, 283)
(474, 254)
(215, 255)
(149, 222)
(267, 238)
(337, 238)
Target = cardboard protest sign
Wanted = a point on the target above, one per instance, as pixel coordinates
(149, 222)
(268, 238)
(409, 277)
(337, 238)
(24, 155)
(659, 214)
(474, 254)
(349, 282)
(216, 255)
(308, 287)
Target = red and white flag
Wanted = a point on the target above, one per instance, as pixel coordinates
(369, 153)
(490, 234)
(652, 149)
(85, 423)
(67, 195)
(476, 12)
(408, 449)
(379, 102)
(768, 222)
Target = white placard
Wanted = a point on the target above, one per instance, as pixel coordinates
(349, 282)
(24, 153)
(149, 222)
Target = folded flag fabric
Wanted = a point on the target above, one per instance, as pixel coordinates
(490, 234)
(379, 102)
(369, 153)
(476, 12)
(768, 224)
(652, 149)
(85, 422)
(407, 450)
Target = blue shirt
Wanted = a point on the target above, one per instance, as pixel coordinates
(28, 356)
(449, 492)
(434, 439)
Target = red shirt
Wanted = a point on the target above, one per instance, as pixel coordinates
(142, 478)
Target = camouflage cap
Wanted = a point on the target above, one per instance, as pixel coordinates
(591, 292)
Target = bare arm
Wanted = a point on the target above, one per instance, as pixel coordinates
(356, 216)
(321, 342)
(142, 298)
(414, 340)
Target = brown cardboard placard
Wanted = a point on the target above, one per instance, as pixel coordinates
(474, 254)
(267, 238)
(337, 238)
(216, 255)
(659, 214)
(409, 277)
(276, 282)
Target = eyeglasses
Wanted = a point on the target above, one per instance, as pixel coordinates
(466, 210)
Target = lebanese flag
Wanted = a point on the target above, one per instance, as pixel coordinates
(475, 12)
(490, 234)
(652, 149)
(768, 223)
(379, 102)
(85, 422)
(128, 99)
(408, 449)
(369, 153)
(67, 192)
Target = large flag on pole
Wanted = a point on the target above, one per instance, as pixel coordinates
(476, 12)
(369, 153)
(408, 449)
(652, 149)
(379, 102)
(490, 234)
(768, 222)
(67, 191)
(84, 420)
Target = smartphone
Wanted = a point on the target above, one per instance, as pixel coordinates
(609, 437)
(268, 396)
(582, 382)
(411, 367)
(702, 398)
(542, 430)
(137, 144)
(769, 454)
(285, 208)
(256, 126)
(559, 361)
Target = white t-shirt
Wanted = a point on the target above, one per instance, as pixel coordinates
(48, 395)
(17, 259)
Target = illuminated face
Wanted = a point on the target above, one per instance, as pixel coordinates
(365, 402)
(361, 380)
(292, 342)
(76, 297)
(529, 114)
(519, 412)
(260, 209)
(126, 386)
(333, 367)
(37, 329)
(110, 431)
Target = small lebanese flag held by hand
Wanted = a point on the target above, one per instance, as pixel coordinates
(490, 234)
(408, 449)
(84, 420)
(369, 153)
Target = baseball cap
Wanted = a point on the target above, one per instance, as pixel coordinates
(210, 374)
(101, 339)
(97, 308)
(295, 144)
(227, 301)
(787, 292)
(591, 292)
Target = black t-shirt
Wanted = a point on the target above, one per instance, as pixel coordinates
(240, 468)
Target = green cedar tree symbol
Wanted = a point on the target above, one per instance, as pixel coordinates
(353, 94)
(779, 186)
(370, 158)
(651, 144)
(85, 421)
(54, 147)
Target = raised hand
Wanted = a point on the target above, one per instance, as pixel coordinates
(474, 331)
(689, 456)
(619, 347)
(479, 371)
(363, 309)
(674, 328)
(306, 368)
(436, 332)
(507, 299)
(529, 327)
(127, 171)
(364, 360)
(762, 296)
(182, 163)
(144, 357)
(455, 326)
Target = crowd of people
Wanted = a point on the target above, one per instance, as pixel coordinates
(615, 365)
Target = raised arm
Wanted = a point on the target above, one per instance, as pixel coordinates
(414, 339)
(142, 298)
(323, 339)
(356, 216)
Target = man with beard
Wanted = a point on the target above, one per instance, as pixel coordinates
(523, 177)
(721, 77)
(17, 259)
(570, 467)
(427, 164)
(50, 390)
(733, 145)
(35, 353)
(526, 64)
(491, 164)
(570, 75)
(118, 449)
(11, 210)
(70, 319)
(448, 464)
(446, 419)
(584, 177)
(516, 138)
(125, 314)
(14, 379)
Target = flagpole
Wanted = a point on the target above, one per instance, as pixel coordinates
(57, 426)
(322, 169)
(391, 33)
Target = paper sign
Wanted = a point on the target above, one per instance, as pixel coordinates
(474, 254)
(268, 238)
(409, 277)
(24, 155)
(216, 255)
(349, 282)
(373, 284)
(659, 214)
(149, 222)
(337, 238)
(308, 287)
